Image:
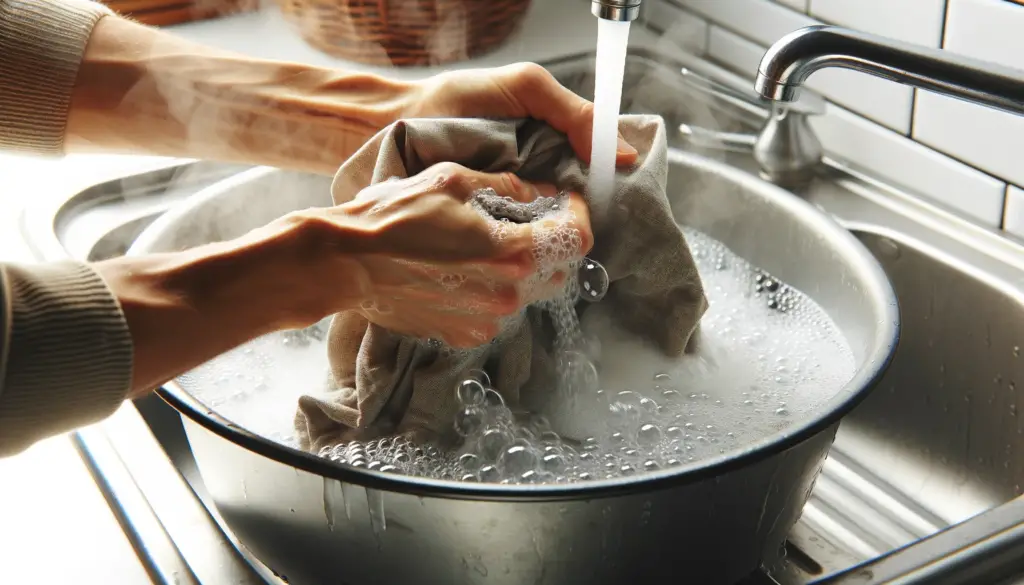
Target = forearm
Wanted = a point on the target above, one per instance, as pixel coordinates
(81, 339)
(185, 308)
(141, 90)
(77, 340)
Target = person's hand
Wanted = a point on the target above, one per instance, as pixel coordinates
(419, 259)
(514, 91)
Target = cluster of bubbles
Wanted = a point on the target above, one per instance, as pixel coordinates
(767, 357)
(500, 447)
(708, 405)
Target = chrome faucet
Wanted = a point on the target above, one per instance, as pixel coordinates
(793, 58)
(785, 148)
(620, 10)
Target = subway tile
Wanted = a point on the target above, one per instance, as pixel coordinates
(763, 22)
(677, 26)
(913, 21)
(986, 29)
(900, 160)
(1013, 222)
(733, 51)
(800, 5)
(988, 139)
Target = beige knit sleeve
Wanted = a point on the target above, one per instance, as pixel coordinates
(41, 47)
(65, 349)
(65, 354)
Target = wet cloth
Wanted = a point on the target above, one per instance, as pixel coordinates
(383, 383)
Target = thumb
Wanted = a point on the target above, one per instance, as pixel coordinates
(544, 98)
(581, 136)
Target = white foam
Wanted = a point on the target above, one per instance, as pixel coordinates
(768, 357)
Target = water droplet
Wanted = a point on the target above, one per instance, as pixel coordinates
(375, 502)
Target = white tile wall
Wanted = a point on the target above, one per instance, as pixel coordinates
(914, 21)
(680, 27)
(800, 5)
(1014, 222)
(958, 154)
(907, 163)
(994, 141)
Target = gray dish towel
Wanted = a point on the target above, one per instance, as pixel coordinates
(383, 383)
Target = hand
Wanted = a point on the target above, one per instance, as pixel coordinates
(514, 91)
(426, 263)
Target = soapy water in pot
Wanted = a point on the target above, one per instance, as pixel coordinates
(767, 356)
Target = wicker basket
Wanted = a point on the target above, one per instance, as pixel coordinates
(405, 33)
(169, 12)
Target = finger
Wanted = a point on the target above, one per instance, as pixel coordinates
(580, 214)
(576, 218)
(462, 183)
(544, 98)
(456, 288)
(515, 244)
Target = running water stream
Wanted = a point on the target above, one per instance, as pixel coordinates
(612, 39)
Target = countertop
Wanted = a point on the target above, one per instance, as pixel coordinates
(54, 524)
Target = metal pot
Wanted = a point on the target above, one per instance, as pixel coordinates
(712, 522)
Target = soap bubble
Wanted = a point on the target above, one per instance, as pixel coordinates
(593, 279)
(470, 392)
(517, 460)
(648, 436)
(469, 420)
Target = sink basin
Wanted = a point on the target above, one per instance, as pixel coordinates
(928, 468)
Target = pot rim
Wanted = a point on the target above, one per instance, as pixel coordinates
(876, 362)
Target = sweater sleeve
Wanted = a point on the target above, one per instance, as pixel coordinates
(41, 47)
(66, 354)
(65, 349)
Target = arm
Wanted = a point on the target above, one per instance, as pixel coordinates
(141, 90)
(76, 340)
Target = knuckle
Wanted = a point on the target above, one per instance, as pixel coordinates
(532, 73)
(448, 174)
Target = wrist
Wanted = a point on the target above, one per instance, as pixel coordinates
(144, 90)
(184, 308)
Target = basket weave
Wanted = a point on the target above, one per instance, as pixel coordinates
(405, 33)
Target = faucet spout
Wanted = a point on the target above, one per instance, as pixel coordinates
(618, 10)
(792, 59)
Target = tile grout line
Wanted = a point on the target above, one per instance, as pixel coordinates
(917, 92)
(1006, 207)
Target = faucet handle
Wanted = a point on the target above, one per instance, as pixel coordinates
(785, 148)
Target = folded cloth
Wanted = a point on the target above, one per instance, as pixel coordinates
(383, 383)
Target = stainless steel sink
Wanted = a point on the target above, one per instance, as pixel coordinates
(923, 483)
